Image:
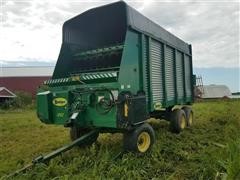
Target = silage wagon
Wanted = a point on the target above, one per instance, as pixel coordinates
(115, 70)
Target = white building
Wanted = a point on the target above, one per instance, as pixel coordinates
(216, 91)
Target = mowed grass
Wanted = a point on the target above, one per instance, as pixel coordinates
(208, 150)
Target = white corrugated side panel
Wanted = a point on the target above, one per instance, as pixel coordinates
(169, 73)
(187, 75)
(146, 67)
(156, 71)
(180, 77)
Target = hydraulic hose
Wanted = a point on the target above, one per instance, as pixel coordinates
(105, 103)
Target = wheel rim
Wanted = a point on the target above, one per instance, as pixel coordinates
(190, 120)
(183, 122)
(143, 142)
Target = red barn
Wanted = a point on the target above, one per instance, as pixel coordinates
(25, 79)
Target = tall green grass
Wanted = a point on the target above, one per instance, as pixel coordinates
(230, 161)
(208, 150)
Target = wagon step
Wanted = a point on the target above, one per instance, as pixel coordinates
(49, 156)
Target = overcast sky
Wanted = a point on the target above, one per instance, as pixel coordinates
(31, 29)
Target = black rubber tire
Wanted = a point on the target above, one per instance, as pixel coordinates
(131, 138)
(177, 117)
(77, 132)
(189, 115)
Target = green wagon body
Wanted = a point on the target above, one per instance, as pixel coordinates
(115, 52)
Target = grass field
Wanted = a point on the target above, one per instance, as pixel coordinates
(209, 150)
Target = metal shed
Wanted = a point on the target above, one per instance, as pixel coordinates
(216, 91)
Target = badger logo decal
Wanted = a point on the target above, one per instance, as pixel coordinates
(59, 102)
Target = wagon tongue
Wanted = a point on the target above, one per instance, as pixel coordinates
(49, 156)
